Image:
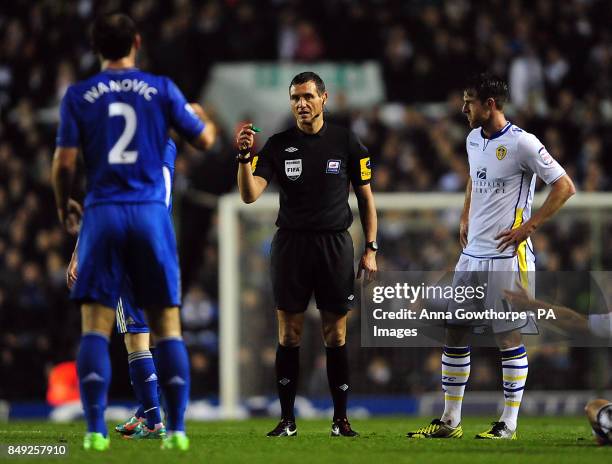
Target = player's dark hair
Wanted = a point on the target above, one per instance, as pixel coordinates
(308, 76)
(112, 35)
(484, 86)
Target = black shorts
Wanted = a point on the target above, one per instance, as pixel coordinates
(307, 262)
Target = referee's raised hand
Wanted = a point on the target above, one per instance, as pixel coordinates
(245, 138)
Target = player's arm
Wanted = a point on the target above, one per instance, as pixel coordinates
(465, 215)
(207, 137)
(534, 158)
(189, 119)
(71, 271)
(208, 134)
(369, 223)
(64, 164)
(562, 189)
(566, 318)
(250, 186)
(63, 169)
(360, 175)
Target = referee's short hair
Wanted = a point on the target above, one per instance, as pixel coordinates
(308, 76)
(112, 35)
(486, 85)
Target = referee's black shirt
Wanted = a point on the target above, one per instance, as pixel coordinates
(314, 172)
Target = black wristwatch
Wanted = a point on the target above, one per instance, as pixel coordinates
(372, 246)
(244, 158)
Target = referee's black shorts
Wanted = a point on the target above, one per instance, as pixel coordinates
(307, 262)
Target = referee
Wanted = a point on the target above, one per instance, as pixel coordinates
(312, 250)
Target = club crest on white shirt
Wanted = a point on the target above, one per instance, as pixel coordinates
(293, 169)
(501, 152)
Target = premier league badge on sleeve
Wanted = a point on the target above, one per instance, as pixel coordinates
(293, 168)
(333, 166)
(546, 158)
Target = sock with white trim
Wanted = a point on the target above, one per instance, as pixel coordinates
(455, 375)
(144, 381)
(514, 371)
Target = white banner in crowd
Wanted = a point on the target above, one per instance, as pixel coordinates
(260, 92)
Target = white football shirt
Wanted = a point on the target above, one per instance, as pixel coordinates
(503, 171)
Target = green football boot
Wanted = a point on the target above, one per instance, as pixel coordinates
(437, 429)
(175, 442)
(142, 432)
(129, 427)
(95, 441)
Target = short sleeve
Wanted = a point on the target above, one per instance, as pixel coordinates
(533, 155)
(182, 117)
(262, 164)
(68, 130)
(359, 164)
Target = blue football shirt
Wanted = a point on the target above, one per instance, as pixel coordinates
(120, 119)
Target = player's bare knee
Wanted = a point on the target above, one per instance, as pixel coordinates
(97, 318)
(455, 336)
(136, 342)
(334, 329)
(334, 338)
(509, 339)
(165, 322)
(290, 334)
(290, 328)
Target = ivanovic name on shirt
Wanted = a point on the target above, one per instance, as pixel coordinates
(124, 85)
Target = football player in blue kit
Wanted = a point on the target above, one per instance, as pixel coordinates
(131, 323)
(120, 119)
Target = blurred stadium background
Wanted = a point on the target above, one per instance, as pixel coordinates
(394, 70)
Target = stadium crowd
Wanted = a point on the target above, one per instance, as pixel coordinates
(557, 58)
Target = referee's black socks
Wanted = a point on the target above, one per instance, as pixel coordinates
(338, 377)
(287, 371)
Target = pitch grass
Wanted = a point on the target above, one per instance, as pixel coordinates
(382, 441)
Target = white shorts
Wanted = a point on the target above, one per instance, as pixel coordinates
(494, 275)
